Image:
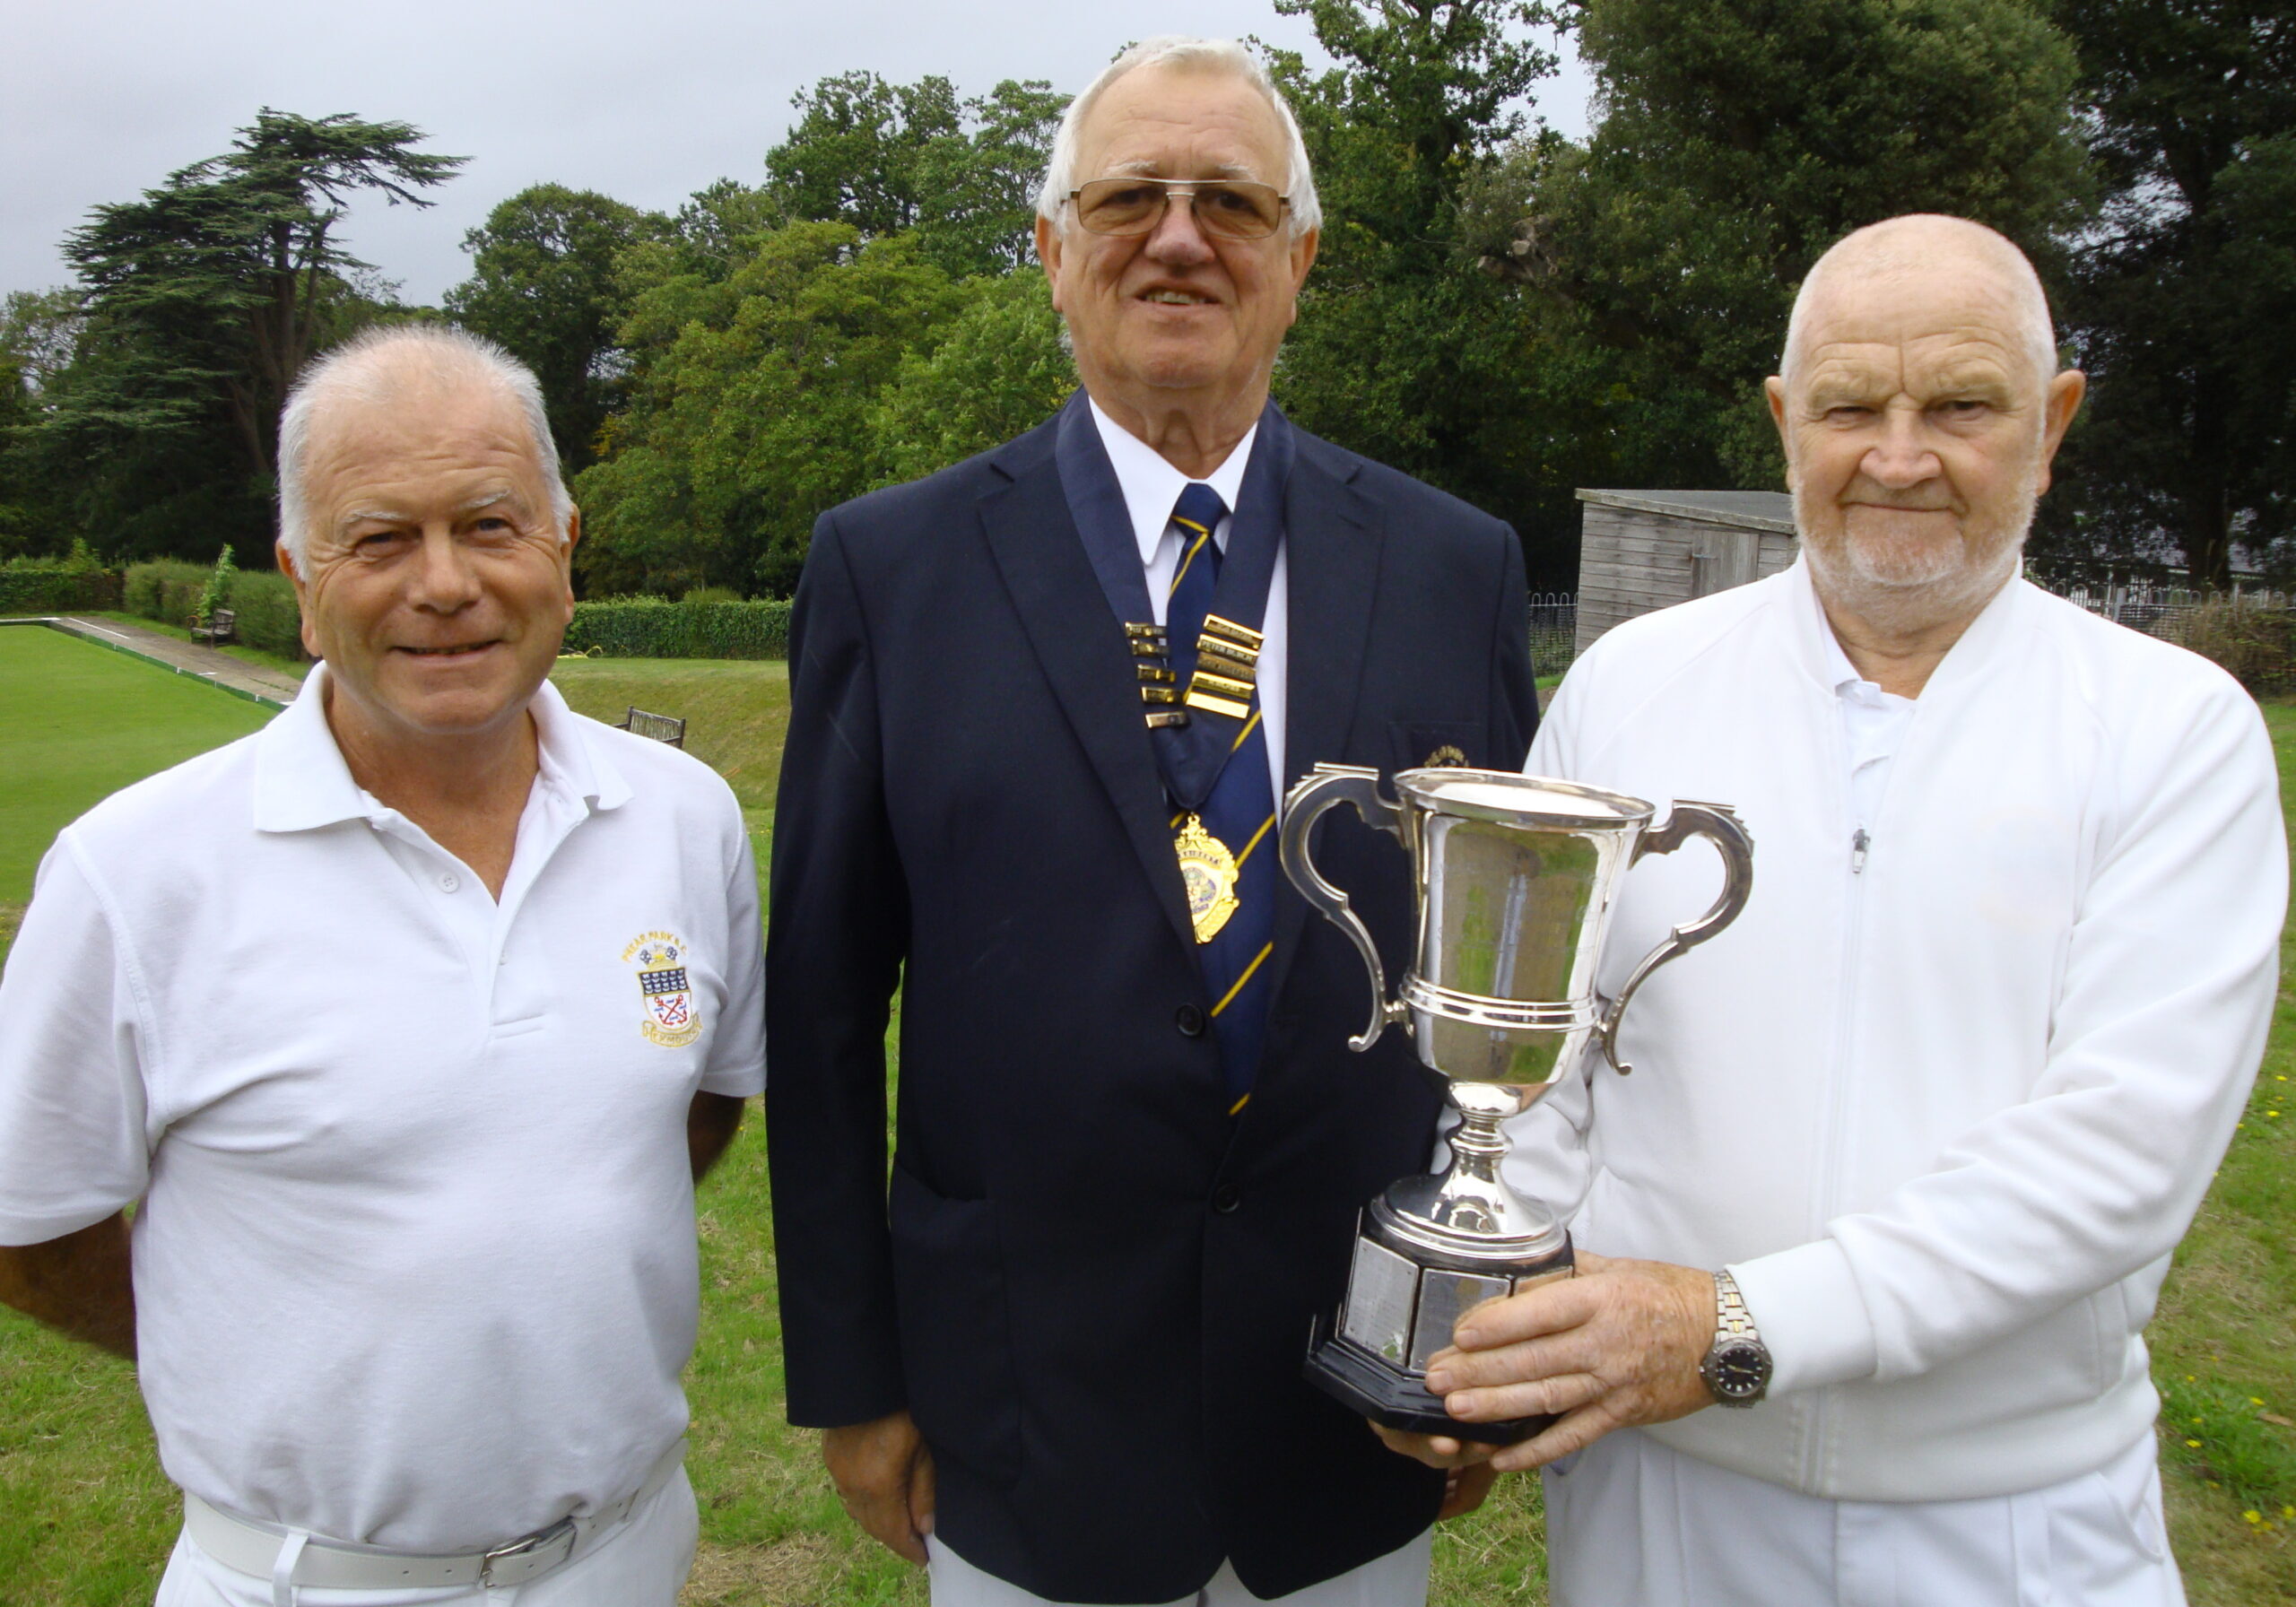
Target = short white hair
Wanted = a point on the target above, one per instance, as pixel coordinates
(372, 366)
(1210, 56)
(1917, 241)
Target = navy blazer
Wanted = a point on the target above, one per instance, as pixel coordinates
(1089, 1284)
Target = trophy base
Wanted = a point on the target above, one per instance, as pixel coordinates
(1367, 1385)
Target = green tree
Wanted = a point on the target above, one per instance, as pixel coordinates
(2182, 296)
(751, 407)
(542, 284)
(204, 299)
(1669, 248)
(40, 331)
(889, 158)
(1402, 351)
(1000, 368)
(854, 154)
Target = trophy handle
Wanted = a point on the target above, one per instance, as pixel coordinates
(1720, 825)
(1303, 805)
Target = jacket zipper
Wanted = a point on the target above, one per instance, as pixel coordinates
(1815, 1455)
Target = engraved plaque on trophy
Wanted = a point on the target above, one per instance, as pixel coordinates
(1515, 877)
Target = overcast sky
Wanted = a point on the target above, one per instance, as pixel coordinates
(646, 101)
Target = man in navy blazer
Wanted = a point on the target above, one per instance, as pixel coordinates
(1039, 701)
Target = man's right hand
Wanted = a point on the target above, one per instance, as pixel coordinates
(884, 1474)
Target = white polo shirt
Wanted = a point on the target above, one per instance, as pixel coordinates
(415, 1262)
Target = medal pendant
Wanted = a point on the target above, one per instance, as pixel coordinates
(1209, 871)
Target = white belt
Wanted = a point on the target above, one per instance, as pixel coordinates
(248, 1546)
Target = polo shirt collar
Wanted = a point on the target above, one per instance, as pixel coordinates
(301, 781)
(1151, 485)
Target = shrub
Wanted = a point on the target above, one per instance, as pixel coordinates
(263, 600)
(2252, 640)
(656, 627)
(166, 589)
(711, 594)
(170, 591)
(217, 592)
(57, 586)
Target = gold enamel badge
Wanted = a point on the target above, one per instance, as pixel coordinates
(1447, 758)
(1209, 871)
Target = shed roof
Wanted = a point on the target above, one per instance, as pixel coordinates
(1746, 511)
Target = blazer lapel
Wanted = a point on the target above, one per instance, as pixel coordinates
(1081, 644)
(1333, 534)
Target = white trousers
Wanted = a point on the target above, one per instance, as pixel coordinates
(1632, 1523)
(1398, 1579)
(643, 1563)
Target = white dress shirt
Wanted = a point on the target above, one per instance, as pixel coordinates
(1151, 486)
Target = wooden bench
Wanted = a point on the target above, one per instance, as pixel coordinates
(661, 727)
(218, 629)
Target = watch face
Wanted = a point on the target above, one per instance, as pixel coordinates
(1739, 1370)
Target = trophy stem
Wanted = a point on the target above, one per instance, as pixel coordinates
(1478, 1145)
(1468, 1214)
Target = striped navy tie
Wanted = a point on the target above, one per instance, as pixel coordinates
(1240, 811)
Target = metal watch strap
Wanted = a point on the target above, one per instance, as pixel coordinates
(1731, 1318)
(1737, 1367)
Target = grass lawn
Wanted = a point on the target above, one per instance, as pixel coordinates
(85, 1518)
(77, 722)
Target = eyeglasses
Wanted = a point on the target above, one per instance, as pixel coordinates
(1236, 209)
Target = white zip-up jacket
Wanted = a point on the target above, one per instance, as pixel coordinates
(1944, 1107)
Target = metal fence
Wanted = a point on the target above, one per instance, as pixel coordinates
(1554, 630)
(2157, 608)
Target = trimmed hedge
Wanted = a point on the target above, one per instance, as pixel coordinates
(168, 590)
(656, 627)
(268, 616)
(25, 589)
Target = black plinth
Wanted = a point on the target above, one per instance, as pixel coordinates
(1365, 1383)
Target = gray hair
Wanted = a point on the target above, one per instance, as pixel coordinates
(368, 368)
(1917, 241)
(1175, 51)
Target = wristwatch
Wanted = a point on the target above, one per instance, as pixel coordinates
(1736, 1367)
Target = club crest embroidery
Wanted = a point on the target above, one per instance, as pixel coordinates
(672, 1019)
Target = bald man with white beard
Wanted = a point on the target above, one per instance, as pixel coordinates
(1906, 1151)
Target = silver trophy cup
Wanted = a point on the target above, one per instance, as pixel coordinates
(1515, 876)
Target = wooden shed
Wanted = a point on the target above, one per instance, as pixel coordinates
(1640, 551)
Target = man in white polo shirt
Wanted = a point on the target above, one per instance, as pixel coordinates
(407, 1025)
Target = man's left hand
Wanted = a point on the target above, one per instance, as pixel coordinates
(1465, 1489)
(1616, 1345)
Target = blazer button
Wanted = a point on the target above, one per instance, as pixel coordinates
(1226, 1198)
(1189, 1019)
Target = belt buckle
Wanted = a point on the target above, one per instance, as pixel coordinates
(522, 1559)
